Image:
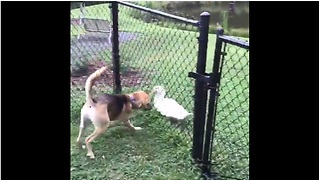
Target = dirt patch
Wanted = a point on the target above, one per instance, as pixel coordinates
(129, 77)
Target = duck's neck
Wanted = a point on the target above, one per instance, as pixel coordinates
(159, 97)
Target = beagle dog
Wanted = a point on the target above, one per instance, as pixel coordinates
(106, 108)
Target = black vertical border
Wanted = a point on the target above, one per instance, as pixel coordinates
(284, 61)
(35, 71)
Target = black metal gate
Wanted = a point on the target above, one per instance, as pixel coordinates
(222, 142)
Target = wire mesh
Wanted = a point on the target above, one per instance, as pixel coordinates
(161, 52)
(90, 50)
(154, 51)
(230, 153)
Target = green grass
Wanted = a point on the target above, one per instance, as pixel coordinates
(164, 56)
(121, 154)
(76, 30)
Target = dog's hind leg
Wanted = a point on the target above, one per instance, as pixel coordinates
(97, 132)
(82, 127)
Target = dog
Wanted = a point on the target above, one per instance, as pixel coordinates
(105, 108)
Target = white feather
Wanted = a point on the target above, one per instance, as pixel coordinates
(167, 106)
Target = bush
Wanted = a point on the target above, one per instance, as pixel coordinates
(148, 17)
(239, 32)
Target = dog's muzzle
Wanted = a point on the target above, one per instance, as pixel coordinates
(148, 107)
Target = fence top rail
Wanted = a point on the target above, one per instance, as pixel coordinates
(160, 13)
(235, 41)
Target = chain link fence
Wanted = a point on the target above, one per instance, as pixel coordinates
(154, 50)
(162, 53)
(90, 50)
(230, 153)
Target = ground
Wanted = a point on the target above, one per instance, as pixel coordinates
(122, 154)
(163, 56)
(130, 77)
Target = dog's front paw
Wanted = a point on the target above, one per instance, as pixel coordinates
(90, 155)
(137, 128)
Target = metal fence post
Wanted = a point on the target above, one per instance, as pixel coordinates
(200, 99)
(214, 84)
(115, 48)
(81, 16)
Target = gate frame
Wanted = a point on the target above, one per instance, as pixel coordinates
(212, 83)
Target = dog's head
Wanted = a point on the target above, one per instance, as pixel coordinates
(140, 100)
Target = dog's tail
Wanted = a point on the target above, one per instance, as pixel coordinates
(90, 82)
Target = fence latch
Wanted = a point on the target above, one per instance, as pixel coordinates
(206, 78)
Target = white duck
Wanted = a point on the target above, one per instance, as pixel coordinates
(166, 106)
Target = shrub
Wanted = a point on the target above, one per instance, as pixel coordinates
(241, 32)
(147, 17)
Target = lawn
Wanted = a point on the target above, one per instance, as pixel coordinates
(76, 30)
(164, 56)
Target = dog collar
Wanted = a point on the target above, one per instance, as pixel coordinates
(132, 98)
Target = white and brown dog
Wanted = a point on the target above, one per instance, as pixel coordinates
(105, 108)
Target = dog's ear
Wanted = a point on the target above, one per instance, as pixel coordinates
(136, 104)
